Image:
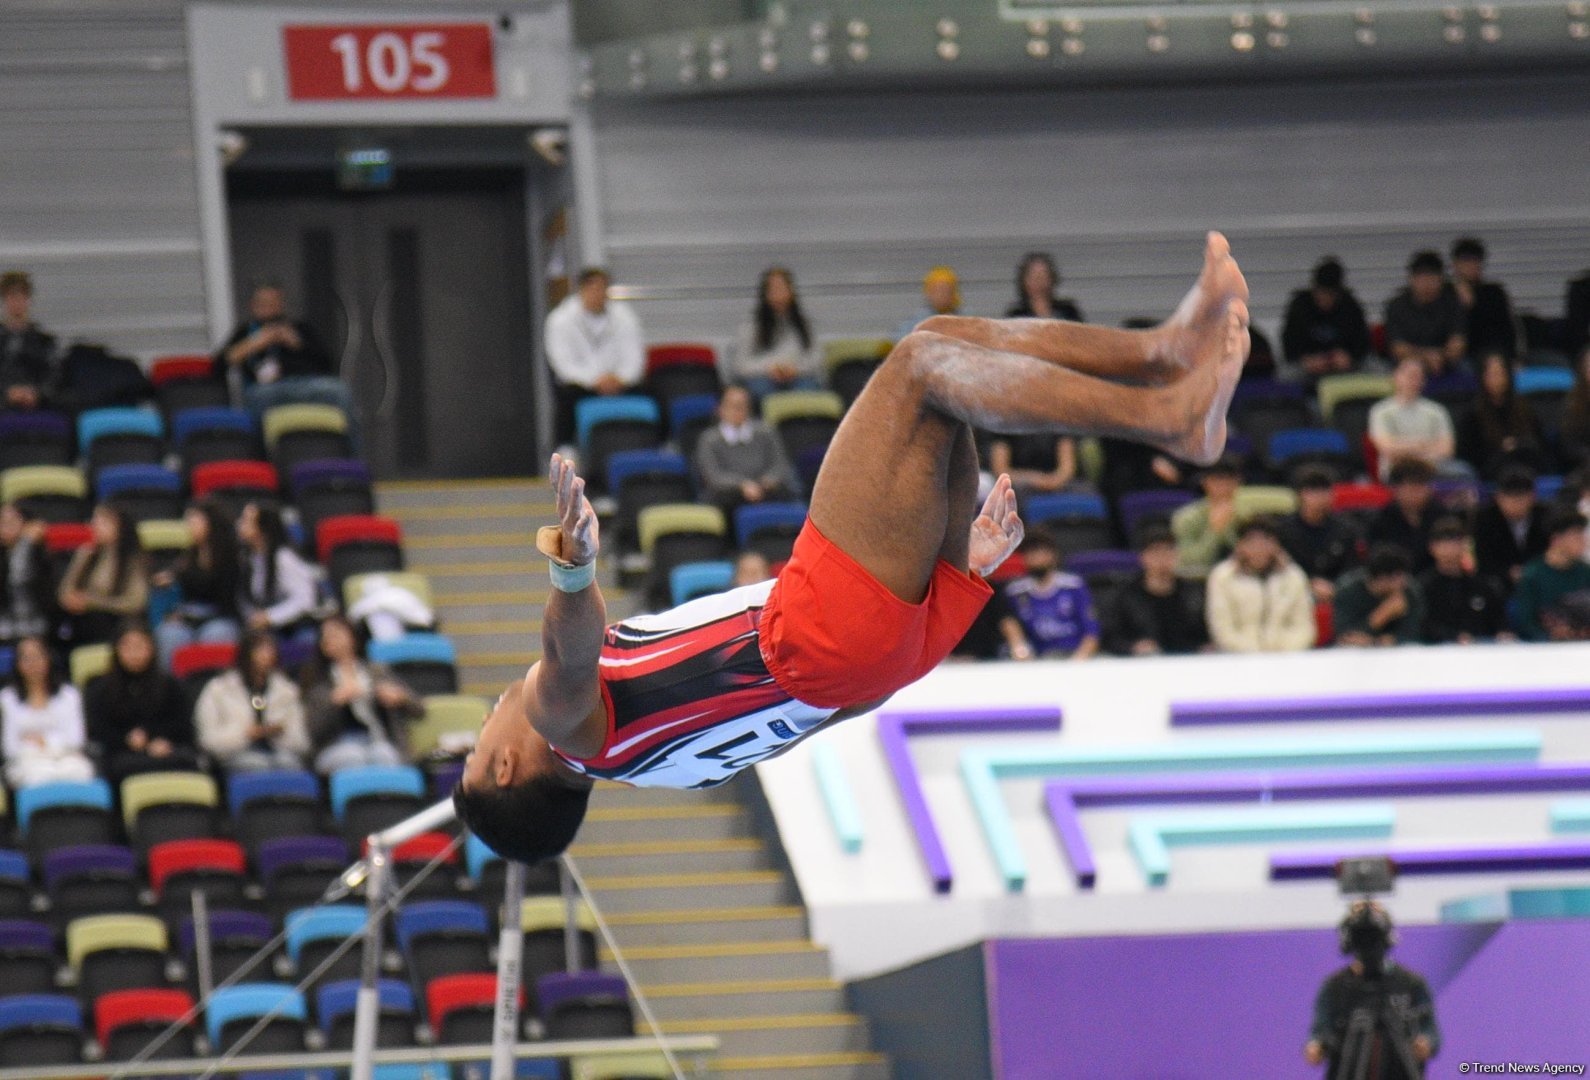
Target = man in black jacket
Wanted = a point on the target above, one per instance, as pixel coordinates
(1406, 521)
(1510, 529)
(1158, 613)
(1460, 606)
(1491, 326)
(27, 353)
(1577, 329)
(1325, 331)
(1319, 540)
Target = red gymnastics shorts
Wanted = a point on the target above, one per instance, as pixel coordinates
(832, 636)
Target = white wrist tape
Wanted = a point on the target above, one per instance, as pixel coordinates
(566, 577)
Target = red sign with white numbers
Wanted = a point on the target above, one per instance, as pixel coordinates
(373, 61)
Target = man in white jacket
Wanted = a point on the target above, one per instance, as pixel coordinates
(594, 346)
(1259, 599)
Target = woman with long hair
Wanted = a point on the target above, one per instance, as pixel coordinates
(41, 721)
(207, 575)
(107, 580)
(136, 712)
(27, 595)
(777, 349)
(279, 587)
(1500, 428)
(1037, 278)
(357, 711)
(252, 717)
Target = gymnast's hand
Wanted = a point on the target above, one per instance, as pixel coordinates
(576, 519)
(997, 531)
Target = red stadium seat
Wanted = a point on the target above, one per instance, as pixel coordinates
(1359, 496)
(171, 368)
(175, 856)
(198, 657)
(67, 536)
(473, 990)
(122, 1007)
(234, 475)
(353, 528)
(422, 848)
(680, 354)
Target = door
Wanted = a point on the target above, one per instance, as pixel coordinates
(422, 295)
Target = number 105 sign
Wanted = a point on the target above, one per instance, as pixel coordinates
(406, 60)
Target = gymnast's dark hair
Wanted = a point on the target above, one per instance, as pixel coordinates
(767, 318)
(527, 823)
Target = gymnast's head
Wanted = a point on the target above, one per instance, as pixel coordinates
(515, 795)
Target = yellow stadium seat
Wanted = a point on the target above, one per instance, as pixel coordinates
(644, 1065)
(140, 792)
(665, 518)
(418, 584)
(93, 933)
(1254, 500)
(789, 404)
(86, 661)
(29, 480)
(1352, 386)
(308, 417)
(447, 715)
(845, 349)
(164, 534)
(547, 913)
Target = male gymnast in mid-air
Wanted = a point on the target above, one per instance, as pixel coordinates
(885, 578)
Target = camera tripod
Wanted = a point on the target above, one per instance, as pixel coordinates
(1358, 1042)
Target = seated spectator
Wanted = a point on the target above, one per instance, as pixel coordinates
(1405, 522)
(1380, 604)
(1510, 529)
(594, 346)
(941, 295)
(1561, 571)
(28, 367)
(1426, 321)
(27, 595)
(1575, 495)
(208, 576)
(279, 587)
(1576, 331)
(107, 580)
(137, 714)
(1319, 540)
(42, 721)
(1324, 331)
(1130, 466)
(357, 712)
(1573, 439)
(252, 717)
(272, 359)
(1037, 278)
(1501, 427)
(995, 634)
(1409, 426)
(1206, 530)
(1055, 608)
(1159, 612)
(1489, 325)
(777, 349)
(1258, 600)
(1460, 606)
(742, 460)
(1036, 463)
(751, 568)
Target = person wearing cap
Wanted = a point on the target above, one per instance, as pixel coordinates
(1258, 599)
(1426, 321)
(1317, 538)
(1460, 606)
(1158, 613)
(1491, 326)
(1207, 529)
(1380, 604)
(1409, 426)
(27, 353)
(1510, 528)
(941, 295)
(1325, 332)
(1557, 573)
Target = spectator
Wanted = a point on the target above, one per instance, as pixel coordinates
(1575, 495)
(741, 460)
(137, 714)
(1130, 466)
(1562, 570)
(1054, 608)
(751, 568)
(1460, 606)
(1159, 612)
(26, 592)
(1408, 425)
(27, 354)
(1573, 440)
(594, 346)
(1037, 278)
(1425, 321)
(1321, 542)
(941, 295)
(357, 712)
(1501, 427)
(1576, 332)
(777, 349)
(1510, 529)
(279, 587)
(1206, 530)
(107, 580)
(272, 359)
(995, 634)
(1406, 521)
(1490, 325)
(42, 718)
(1258, 599)
(1325, 332)
(208, 576)
(1380, 604)
(1036, 463)
(252, 717)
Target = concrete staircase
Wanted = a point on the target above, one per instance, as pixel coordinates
(711, 928)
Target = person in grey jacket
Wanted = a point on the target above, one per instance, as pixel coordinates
(253, 717)
(740, 460)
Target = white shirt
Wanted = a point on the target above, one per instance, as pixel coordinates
(59, 723)
(582, 347)
(735, 435)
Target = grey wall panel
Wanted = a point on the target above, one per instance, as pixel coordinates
(861, 193)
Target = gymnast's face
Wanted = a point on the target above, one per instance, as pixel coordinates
(509, 750)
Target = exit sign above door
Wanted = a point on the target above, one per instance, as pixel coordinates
(367, 61)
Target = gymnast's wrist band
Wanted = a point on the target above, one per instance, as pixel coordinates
(566, 576)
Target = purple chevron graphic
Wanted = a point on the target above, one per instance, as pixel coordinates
(1384, 706)
(1481, 859)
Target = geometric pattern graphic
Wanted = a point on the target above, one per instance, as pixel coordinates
(1151, 838)
(1472, 859)
(1440, 705)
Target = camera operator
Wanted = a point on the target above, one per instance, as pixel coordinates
(1373, 1020)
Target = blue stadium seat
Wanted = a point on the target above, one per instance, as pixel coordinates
(1543, 380)
(350, 784)
(414, 648)
(15, 891)
(244, 787)
(250, 1001)
(627, 463)
(116, 480)
(1306, 442)
(97, 423)
(690, 580)
(190, 422)
(27, 956)
(477, 856)
(1068, 506)
(40, 1029)
(89, 793)
(753, 518)
(338, 1000)
(1547, 487)
(334, 921)
(691, 407)
(438, 917)
(602, 410)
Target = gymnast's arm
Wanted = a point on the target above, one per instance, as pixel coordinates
(565, 687)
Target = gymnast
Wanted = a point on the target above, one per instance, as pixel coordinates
(885, 577)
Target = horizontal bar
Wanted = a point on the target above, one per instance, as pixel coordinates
(1384, 706)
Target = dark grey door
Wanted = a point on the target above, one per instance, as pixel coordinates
(422, 295)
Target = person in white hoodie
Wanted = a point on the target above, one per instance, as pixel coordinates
(1259, 599)
(42, 720)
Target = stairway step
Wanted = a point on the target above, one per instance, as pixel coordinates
(492, 538)
(751, 997)
(726, 962)
(707, 926)
(671, 856)
(526, 606)
(797, 1034)
(429, 521)
(400, 495)
(529, 623)
(608, 794)
(844, 1066)
(651, 892)
(701, 821)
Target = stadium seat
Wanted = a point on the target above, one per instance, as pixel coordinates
(314, 933)
(428, 663)
(90, 879)
(1078, 521)
(61, 543)
(62, 814)
(206, 435)
(40, 1029)
(1345, 401)
(36, 438)
(233, 1010)
(432, 854)
(126, 1021)
(179, 868)
(370, 798)
(543, 919)
(680, 354)
(87, 661)
(164, 542)
(120, 436)
(443, 937)
(1293, 448)
(769, 528)
(418, 584)
(358, 544)
(450, 724)
(295, 434)
(295, 870)
(15, 894)
(273, 803)
(691, 580)
(1546, 389)
(116, 952)
(673, 534)
(186, 382)
(641, 478)
(51, 493)
(162, 806)
(849, 364)
(461, 1008)
(1104, 570)
(142, 492)
(642, 1065)
(1261, 407)
(674, 371)
(327, 488)
(607, 425)
(803, 419)
(27, 956)
(198, 663)
(585, 1005)
(1455, 389)
(236, 937)
(1359, 501)
(487, 869)
(235, 484)
(1138, 507)
(688, 417)
(336, 1003)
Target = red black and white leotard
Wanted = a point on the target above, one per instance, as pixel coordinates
(689, 700)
